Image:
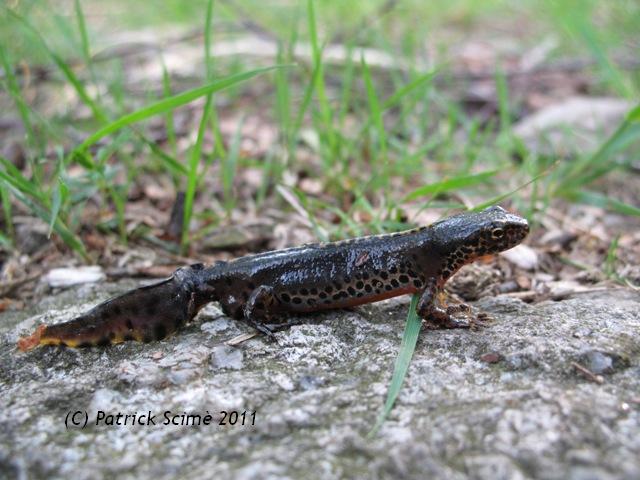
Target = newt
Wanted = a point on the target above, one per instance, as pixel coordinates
(259, 288)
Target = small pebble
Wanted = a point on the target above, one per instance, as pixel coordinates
(224, 356)
(491, 357)
(522, 256)
(67, 277)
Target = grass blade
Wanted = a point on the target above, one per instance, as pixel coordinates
(173, 165)
(454, 183)
(348, 77)
(78, 87)
(376, 115)
(405, 90)
(13, 176)
(170, 103)
(502, 90)
(13, 87)
(302, 205)
(56, 203)
(66, 71)
(5, 242)
(82, 27)
(393, 100)
(58, 225)
(169, 120)
(283, 98)
(192, 179)
(306, 99)
(581, 172)
(611, 258)
(497, 199)
(229, 166)
(38, 202)
(407, 347)
(208, 59)
(591, 38)
(5, 198)
(325, 108)
(209, 71)
(602, 201)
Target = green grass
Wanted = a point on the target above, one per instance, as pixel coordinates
(383, 141)
(401, 367)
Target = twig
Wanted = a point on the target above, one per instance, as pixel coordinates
(588, 374)
(243, 337)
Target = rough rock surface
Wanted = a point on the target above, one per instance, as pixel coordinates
(502, 402)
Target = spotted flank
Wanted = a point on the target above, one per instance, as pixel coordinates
(267, 287)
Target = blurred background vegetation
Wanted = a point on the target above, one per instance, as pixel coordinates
(378, 115)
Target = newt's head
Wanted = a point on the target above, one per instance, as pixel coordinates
(467, 236)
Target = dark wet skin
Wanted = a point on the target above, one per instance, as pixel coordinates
(266, 287)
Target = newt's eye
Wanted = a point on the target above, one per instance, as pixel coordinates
(497, 233)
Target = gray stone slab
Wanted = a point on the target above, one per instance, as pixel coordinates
(502, 402)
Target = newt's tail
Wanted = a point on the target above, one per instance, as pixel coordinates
(144, 314)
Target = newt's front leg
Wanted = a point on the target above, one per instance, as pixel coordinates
(430, 309)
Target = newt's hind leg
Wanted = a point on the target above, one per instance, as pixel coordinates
(259, 309)
(435, 315)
